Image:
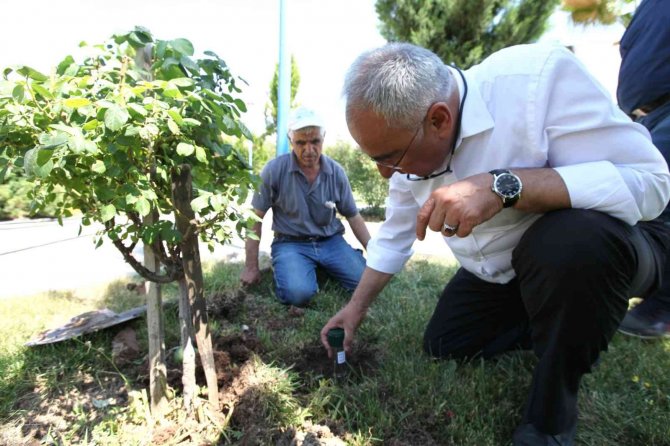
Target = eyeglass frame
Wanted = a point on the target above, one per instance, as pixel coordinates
(395, 165)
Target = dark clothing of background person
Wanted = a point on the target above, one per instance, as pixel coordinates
(643, 93)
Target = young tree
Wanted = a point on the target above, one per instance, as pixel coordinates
(464, 31)
(120, 141)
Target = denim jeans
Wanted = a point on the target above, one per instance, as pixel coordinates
(295, 263)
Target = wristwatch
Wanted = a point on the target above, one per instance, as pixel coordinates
(507, 186)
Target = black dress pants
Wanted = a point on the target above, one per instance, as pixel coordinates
(575, 270)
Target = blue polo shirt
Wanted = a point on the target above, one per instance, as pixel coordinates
(302, 209)
(644, 75)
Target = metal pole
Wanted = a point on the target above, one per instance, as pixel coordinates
(283, 96)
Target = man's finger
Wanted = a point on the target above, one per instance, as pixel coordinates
(423, 217)
(324, 340)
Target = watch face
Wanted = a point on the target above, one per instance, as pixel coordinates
(508, 185)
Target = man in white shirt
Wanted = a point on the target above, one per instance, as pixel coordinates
(544, 192)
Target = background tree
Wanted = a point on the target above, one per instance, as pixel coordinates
(605, 12)
(271, 106)
(464, 31)
(123, 143)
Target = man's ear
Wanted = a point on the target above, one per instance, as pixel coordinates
(441, 119)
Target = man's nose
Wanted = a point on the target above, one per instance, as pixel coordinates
(386, 172)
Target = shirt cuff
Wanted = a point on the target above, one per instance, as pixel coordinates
(599, 186)
(386, 260)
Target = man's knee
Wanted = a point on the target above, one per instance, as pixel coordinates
(442, 347)
(298, 295)
(572, 243)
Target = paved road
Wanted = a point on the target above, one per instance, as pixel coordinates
(41, 255)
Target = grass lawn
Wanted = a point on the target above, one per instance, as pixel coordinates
(275, 378)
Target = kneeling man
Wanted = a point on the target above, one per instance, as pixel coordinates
(305, 188)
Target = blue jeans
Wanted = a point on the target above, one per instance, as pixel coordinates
(295, 264)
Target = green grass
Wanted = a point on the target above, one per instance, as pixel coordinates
(395, 393)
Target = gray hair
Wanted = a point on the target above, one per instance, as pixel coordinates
(399, 82)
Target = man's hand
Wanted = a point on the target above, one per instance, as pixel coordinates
(462, 205)
(250, 275)
(349, 318)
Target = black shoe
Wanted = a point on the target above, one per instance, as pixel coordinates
(648, 320)
(528, 435)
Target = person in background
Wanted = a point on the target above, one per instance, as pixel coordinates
(643, 93)
(542, 187)
(305, 189)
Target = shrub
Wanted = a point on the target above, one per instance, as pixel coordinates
(367, 184)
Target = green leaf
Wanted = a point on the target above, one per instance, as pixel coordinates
(52, 141)
(200, 203)
(188, 63)
(3, 172)
(90, 125)
(46, 94)
(192, 122)
(149, 131)
(241, 105)
(115, 117)
(32, 73)
(174, 114)
(44, 170)
(183, 46)
(64, 64)
(19, 93)
(98, 167)
(107, 212)
(143, 206)
(182, 81)
(138, 109)
(76, 102)
(30, 161)
(184, 149)
(43, 157)
(161, 46)
(174, 128)
(172, 93)
(131, 199)
(201, 154)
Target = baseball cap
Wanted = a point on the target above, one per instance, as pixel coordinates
(302, 117)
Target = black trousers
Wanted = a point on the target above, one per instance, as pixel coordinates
(575, 270)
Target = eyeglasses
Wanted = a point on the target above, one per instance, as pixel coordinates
(395, 165)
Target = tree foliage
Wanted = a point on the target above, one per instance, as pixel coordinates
(605, 12)
(271, 107)
(464, 31)
(108, 132)
(366, 183)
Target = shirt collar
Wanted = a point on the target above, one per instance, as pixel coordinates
(476, 117)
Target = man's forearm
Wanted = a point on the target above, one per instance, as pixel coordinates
(543, 191)
(371, 284)
(251, 247)
(359, 229)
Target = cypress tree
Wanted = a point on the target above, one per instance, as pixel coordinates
(464, 31)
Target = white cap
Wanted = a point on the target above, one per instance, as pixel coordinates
(302, 117)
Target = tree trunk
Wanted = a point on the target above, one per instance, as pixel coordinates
(185, 319)
(187, 342)
(157, 368)
(182, 194)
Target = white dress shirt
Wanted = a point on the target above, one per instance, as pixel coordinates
(531, 106)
